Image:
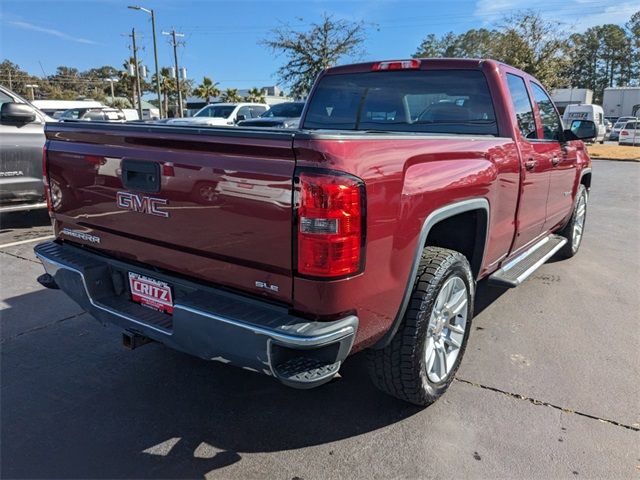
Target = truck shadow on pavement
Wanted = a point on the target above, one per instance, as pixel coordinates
(24, 220)
(75, 404)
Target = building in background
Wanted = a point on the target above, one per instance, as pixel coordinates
(621, 102)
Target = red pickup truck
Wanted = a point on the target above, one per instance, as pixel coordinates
(283, 252)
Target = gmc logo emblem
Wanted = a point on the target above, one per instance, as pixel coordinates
(141, 203)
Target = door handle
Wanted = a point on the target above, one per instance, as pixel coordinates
(140, 175)
(555, 160)
(530, 164)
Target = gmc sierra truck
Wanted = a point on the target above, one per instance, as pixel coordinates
(21, 141)
(283, 252)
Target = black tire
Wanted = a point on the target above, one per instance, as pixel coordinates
(571, 248)
(205, 193)
(400, 368)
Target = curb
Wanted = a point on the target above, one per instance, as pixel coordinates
(632, 160)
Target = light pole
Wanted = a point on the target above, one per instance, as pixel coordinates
(32, 88)
(155, 51)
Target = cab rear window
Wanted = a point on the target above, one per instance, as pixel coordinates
(429, 101)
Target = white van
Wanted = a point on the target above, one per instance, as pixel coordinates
(595, 113)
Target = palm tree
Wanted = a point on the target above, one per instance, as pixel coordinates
(128, 83)
(207, 89)
(231, 95)
(167, 87)
(120, 103)
(255, 95)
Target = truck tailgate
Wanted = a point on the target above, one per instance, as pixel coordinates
(209, 204)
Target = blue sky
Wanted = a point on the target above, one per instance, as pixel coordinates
(222, 37)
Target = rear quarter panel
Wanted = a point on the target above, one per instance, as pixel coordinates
(406, 179)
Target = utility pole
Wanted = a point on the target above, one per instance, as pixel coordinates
(32, 88)
(174, 43)
(111, 80)
(10, 84)
(155, 58)
(137, 71)
(155, 51)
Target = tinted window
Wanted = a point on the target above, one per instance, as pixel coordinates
(94, 115)
(284, 110)
(432, 101)
(257, 110)
(551, 125)
(72, 114)
(216, 111)
(245, 111)
(630, 126)
(522, 106)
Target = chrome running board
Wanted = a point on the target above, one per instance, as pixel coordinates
(516, 271)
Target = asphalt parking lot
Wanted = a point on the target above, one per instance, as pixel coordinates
(549, 386)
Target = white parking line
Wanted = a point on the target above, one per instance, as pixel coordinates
(22, 242)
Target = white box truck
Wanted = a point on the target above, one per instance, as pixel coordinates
(621, 102)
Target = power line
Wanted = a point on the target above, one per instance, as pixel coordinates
(46, 80)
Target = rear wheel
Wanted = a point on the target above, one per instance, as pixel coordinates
(575, 228)
(422, 358)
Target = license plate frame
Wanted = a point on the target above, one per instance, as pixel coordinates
(151, 293)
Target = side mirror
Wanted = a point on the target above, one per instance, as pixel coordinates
(240, 118)
(581, 130)
(20, 113)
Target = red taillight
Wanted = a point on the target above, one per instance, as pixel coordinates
(330, 226)
(413, 64)
(624, 132)
(168, 170)
(45, 179)
(94, 160)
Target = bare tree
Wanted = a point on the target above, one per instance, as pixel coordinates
(309, 52)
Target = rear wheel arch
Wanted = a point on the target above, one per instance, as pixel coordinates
(585, 178)
(464, 232)
(438, 223)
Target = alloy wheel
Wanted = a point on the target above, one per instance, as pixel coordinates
(446, 329)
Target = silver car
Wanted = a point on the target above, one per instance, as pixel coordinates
(21, 142)
(618, 126)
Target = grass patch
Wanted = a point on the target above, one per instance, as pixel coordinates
(614, 152)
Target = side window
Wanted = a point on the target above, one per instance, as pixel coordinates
(71, 114)
(5, 98)
(94, 116)
(246, 111)
(551, 125)
(522, 106)
(257, 111)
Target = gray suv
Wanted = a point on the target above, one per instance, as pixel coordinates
(21, 143)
